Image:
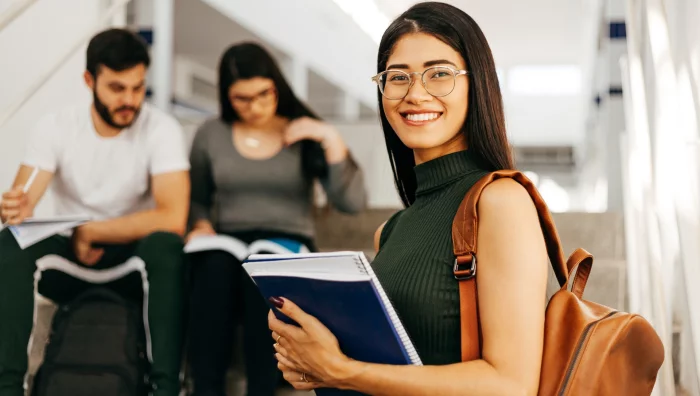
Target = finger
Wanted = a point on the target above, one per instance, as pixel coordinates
(292, 135)
(14, 220)
(292, 376)
(12, 203)
(285, 330)
(270, 316)
(281, 359)
(14, 193)
(93, 256)
(10, 213)
(281, 350)
(297, 380)
(295, 313)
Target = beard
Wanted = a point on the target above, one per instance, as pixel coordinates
(107, 115)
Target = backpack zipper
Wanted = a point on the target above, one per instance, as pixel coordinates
(579, 347)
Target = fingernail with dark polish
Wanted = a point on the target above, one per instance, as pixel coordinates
(277, 302)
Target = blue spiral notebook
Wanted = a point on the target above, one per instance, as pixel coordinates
(342, 291)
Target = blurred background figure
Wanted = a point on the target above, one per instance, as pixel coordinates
(601, 100)
(253, 173)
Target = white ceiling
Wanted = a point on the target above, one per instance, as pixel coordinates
(525, 32)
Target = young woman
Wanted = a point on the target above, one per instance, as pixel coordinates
(442, 115)
(252, 175)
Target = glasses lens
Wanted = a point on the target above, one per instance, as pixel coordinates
(439, 81)
(394, 84)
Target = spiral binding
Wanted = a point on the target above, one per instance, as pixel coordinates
(405, 339)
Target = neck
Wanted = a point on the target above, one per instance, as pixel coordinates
(458, 143)
(275, 124)
(101, 127)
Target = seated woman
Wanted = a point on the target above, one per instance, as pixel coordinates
(255, 167)
(443, 120)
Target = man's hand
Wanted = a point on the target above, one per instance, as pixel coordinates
(14, 207)
(82, 245)
(202, 228)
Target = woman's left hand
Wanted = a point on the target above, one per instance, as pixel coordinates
(308, 128)
(308, 356)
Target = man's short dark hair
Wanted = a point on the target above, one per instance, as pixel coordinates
(118, 49)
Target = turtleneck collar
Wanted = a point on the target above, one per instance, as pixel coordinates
(444, 170)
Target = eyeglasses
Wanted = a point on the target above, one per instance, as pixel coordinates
(265, 97)
(438, 81)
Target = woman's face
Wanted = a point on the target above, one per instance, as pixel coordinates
(427, 124)
(254, 100)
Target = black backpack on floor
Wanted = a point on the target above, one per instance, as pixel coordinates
(96, 348)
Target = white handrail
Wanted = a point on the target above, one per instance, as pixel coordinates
(111, 13)
(17, 8)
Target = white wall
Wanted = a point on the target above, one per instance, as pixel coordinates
(318, 33)
(30, 46)
(366, 142)
(544, 120)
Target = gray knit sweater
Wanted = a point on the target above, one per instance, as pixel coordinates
(240, 194)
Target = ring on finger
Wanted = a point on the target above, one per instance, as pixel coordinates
(303, 377)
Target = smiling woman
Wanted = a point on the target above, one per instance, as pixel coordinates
(442, 115)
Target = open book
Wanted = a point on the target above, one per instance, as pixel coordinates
(341, 290)
(36, 229)
(241, 250)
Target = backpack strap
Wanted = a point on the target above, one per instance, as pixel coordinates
(464, 238)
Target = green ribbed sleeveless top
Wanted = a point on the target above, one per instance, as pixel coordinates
(415, 259)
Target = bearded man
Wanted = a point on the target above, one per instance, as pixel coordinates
(124, 164)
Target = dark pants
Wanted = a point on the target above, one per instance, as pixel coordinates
(221, 290)
(157, 257)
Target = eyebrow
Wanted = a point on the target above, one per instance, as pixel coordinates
(255, 94)
(426, 64)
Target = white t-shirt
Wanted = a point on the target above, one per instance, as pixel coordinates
(105, 177)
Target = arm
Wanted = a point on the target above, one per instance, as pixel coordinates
(171, 195)
(511, 314)
(378, 237)
(202, 181)
(345, 186)
(43, 147)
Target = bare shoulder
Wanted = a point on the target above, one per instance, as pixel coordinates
(505, 195)
(378, 236)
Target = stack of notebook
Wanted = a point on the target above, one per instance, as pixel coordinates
(341, 290)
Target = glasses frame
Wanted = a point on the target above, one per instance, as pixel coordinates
(457, 73)
(248, 102)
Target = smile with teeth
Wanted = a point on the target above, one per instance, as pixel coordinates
(422, 116)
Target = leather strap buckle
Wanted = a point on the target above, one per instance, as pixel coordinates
(465, 273)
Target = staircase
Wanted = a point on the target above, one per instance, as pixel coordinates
(602, 234)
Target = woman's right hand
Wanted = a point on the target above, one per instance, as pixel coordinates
(202, 228)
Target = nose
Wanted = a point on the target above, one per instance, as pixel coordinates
(256, 107)
(417, 92)
(129, 98)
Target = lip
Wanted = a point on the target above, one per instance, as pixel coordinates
(406, 121)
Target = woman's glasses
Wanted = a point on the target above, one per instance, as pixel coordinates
(265, 97)
(437, 81)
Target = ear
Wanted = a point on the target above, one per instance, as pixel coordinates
(89, 80)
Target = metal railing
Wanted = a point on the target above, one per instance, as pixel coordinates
(114, 9)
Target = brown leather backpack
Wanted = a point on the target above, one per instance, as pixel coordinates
(589, 349)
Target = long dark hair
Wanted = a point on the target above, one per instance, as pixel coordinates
(249, 60)
(484, 128)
